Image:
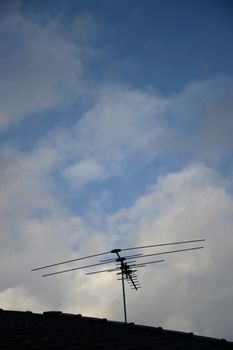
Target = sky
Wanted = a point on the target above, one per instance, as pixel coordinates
(116, 121)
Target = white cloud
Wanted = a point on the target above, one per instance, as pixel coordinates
(24, 178)
(83, 172)
(37, 229)
(124, 126)
(41, 63)
(188, 291)
(18, 298)
(122, 123)
(128, 126)
(185, 292)
(203, 113)
(126, 129)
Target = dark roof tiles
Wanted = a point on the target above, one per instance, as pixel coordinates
(57, 330)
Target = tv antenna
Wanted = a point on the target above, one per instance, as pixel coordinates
(126, 266)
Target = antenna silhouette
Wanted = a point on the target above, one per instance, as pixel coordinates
(126, 266)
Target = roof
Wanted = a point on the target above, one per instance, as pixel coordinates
(57, 330)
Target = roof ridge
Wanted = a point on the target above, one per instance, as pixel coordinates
(56, 313)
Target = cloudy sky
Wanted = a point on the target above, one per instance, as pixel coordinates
(116, 122)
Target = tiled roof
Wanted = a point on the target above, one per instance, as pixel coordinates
(57, 330)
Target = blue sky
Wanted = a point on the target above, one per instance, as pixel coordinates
(116, 124)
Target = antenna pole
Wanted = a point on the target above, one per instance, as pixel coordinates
(123, 292)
